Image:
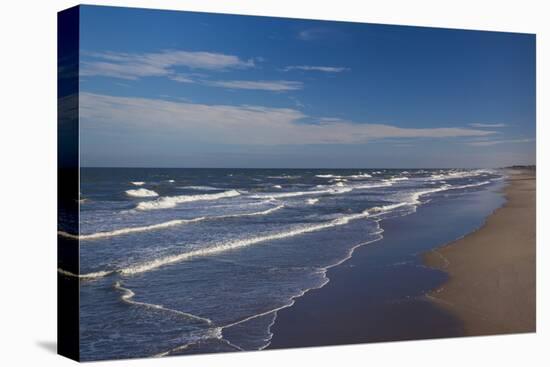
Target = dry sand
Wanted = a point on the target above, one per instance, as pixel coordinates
(492, 271)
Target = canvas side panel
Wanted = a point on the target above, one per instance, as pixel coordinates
(68, 339)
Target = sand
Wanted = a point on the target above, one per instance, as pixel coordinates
(492, 271)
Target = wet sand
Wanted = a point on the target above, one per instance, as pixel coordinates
(492, 271)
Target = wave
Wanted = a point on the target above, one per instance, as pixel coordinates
(128, 296)
(277, 187)
(200, 188)
(171, 181)
(171, 223)
(141, 193)
(332, 191)
(289, 177)
(97, 274)
(458, 174)
(395, 179)
(328, 176)
(237, 244)
(361, 175)
(417, 195)
(373, 185)
(243, 243)
(138, 183)
(172, 201)
(312, 201)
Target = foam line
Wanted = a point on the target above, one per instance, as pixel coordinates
(332, 191)
(171, 223)
(171, 201)
(141, 193)
(98, 274)
(128, 296)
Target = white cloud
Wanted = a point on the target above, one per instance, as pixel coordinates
(316, 33)
(485, 143)
(268, 85)
(326, 69)
(163, 64)
(135, 66)
(244, 125)
(491, 126)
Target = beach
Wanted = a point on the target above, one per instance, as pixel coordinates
(492, 271)
(380, 293)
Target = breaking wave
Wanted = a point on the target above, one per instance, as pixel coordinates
(332, 191)
(172, 201)
(171, 223)
(141, 193)
(128, 295)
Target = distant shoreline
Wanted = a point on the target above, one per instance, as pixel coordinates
(492, 271)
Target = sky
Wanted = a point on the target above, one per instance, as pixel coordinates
(184, 89)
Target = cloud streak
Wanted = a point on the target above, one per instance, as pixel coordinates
(267, 85)
(491, 126)
(243, 125)
(135, 66)
(165, 64)
(325, 69)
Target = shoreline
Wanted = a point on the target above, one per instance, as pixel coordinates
(492, 270)
(379, 294)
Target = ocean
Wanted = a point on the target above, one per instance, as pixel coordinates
(202, 260)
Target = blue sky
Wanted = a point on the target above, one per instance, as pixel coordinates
(180, 89)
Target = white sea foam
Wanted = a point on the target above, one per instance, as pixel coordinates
(459, 174)
(277, 187)
(373, 185)
(171, 201)
(171, 223)
(340, 184)
(332, 191)
(237, 244)
(171, 181)
(288, 177)
(415, 197)
(395, 179)
(138, 183)
(312, 201)
(97, 274)
(328, 176)
(200, 188)
(128, 296)
(141, 193)
(122, 231)
(361, 175)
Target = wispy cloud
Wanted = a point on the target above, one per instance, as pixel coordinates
(490, 126)
(267, 85)
(135, 66)
(244, 125)
(325, 69)
(485, 143)
(164, 64)
(311, 34)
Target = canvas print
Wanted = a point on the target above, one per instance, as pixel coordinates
(238, 183)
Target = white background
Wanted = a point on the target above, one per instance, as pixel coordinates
(28, 181)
